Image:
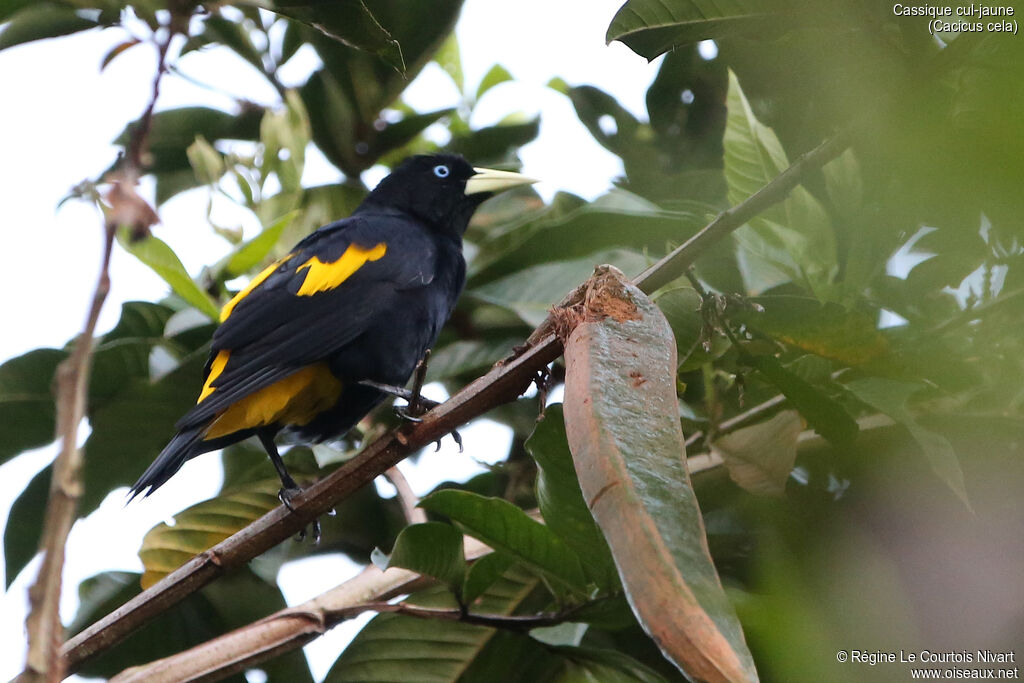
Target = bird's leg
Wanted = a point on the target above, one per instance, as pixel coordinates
(289, 486)
(416, 403)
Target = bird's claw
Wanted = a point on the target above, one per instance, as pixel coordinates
(285, 495)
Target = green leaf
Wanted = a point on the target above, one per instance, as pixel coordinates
(351, 22)
(651, 27)
(828, 330)
(795, 236)
(561, 501)
(155, 253)
(760, 457)
(495, 76)
(467, 356)
(433, 549)
(173, 132)
(450, 59)
(495, 145)
(253, 252)
(571, 229)
(40, 21)
(483, 573)
(399, 134)
(532, 291)
(233, 35)
(27, 409)
(891, 398)
(504, 527)
(825, 415)
(345, 97)
(203, 525)
(24, 524)
(586, 665)
(623, 429)
(395, 647)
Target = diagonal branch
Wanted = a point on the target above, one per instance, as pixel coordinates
(503, 383)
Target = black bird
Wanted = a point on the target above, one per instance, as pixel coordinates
(360, 299)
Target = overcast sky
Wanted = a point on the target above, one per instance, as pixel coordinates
(60, 115)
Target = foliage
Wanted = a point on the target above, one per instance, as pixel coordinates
(875, 441)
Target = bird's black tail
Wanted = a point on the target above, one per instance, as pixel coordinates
(186, 445)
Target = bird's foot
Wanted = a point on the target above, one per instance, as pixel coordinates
(285, 495)
(417, 404)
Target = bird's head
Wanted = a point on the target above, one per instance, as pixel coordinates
(441, 189)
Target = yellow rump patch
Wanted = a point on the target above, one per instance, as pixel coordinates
(217, 367)
(325, 276)
(295, 399)
(253, 284)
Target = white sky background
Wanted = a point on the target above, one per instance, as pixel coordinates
(60, 116)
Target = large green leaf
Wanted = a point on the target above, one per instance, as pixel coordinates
(124, 352)
(43, 20)
(433, 549)
(393, 647)
(155, 253)
(24, 524)
(824, 414)
(173, 132)
(573, 230)
(495, 145)
(27, 409)
(829, 330)
(532, 291)
(233, 601)
(891, 397)
(651, 27)
(203, 525)
(504, 527)
(795, 237)
(622, 424)
(467, 356)
(345, 97)
(350, 21)
(121, 358)
(561, 501)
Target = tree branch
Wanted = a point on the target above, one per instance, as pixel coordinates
(503, 383)
(124, 207)
(43, 623)
(287, 629)
(406, 496)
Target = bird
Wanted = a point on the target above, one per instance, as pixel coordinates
(306, 346)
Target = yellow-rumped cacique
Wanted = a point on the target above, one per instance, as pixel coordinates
(361, 299)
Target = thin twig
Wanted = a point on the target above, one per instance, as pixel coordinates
(734, 423)
(124, 207)
(406, 496)
(43, 623)
(503, 383)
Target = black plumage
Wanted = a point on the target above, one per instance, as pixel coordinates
(360, 299)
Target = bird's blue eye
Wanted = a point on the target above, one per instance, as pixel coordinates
(442, 171)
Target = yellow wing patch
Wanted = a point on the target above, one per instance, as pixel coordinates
(217, 367)
(253, 284)
(295, 399)
(325, 276)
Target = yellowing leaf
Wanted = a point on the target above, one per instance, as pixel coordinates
(622, 424)
(760, 457)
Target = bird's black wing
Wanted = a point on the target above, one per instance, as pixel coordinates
(312, 302)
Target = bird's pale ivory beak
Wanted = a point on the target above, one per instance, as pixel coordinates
(490, 180)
